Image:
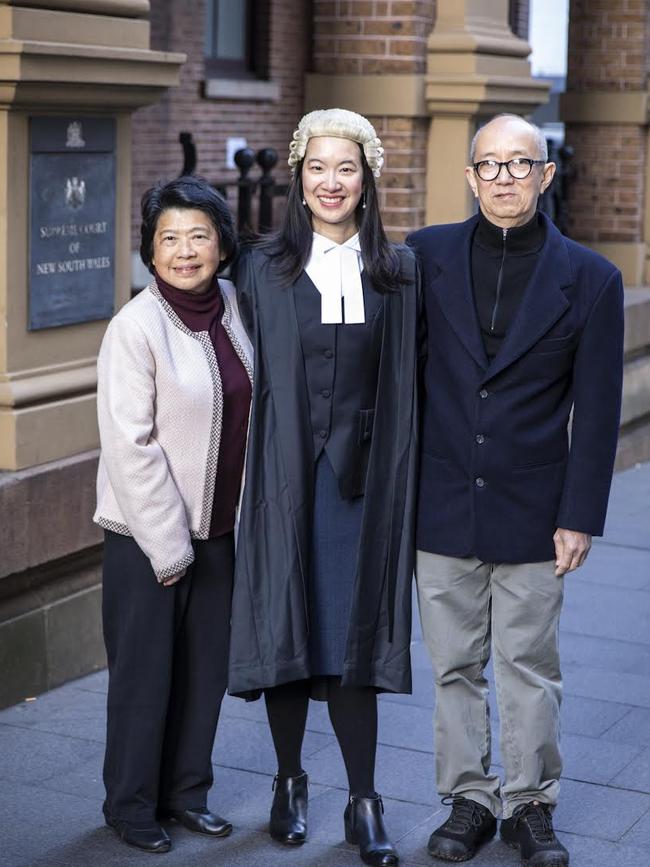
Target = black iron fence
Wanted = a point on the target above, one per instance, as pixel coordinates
(254, 193)
(555, 201)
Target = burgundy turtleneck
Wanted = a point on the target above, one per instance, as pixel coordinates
(203, 312)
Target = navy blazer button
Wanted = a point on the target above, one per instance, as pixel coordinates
(328, 353)
(480, 483)
(483, 393)
(326, 392)
(322, 434)
(480, 439)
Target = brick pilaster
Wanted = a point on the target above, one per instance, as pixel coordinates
(371, 37)
(607, 64)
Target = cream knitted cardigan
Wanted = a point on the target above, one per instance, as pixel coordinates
(160, 405)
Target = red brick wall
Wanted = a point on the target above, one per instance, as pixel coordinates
(608, 51)
(369, 37)
(179, 25)
(606, 202)
(403, 179)
(608, 45)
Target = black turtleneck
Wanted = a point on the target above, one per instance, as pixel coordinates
(503, 261)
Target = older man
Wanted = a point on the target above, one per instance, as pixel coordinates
(524, 327)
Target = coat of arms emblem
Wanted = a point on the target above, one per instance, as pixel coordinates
(75, 192)
(74, 136)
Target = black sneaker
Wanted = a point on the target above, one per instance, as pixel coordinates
(469, 826)
(530, 829)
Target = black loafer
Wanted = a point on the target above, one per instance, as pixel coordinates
(202, 822)
(151, 839)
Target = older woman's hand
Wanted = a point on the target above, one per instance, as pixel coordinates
(167, 582)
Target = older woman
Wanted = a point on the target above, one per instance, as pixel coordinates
(322, 603)
(174, 387)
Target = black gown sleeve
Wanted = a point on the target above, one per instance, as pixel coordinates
(243, 276)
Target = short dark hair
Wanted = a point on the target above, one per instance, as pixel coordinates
(192, 192)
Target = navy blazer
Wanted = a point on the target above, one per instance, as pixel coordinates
(498, 475)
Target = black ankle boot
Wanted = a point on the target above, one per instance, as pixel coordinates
(289, 809)
(364, 827)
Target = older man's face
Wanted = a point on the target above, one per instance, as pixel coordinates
(508, 201)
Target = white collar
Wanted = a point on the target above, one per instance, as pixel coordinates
(335, 269)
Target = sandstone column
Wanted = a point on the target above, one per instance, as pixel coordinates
(605, 110)
(71, 74)
(476, 68)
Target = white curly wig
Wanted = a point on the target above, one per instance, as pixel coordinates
(340, 123)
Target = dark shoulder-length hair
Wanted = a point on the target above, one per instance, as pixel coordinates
(291, 244)
(193, 193)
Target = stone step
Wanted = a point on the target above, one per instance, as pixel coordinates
(634, 440)
(637, 320)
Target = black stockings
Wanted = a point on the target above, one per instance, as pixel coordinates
(353, 712)
(286, 707)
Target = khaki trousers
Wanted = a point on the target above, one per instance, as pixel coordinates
(467, 609)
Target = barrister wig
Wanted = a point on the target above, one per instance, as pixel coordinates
(291, 244)
(194, 193)
(340, 123)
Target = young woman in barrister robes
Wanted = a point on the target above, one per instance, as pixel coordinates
(322, 598)
(173, 401)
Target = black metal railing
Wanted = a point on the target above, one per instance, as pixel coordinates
(555, 201)
(255, 195)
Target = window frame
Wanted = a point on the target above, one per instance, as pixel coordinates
(226, 67)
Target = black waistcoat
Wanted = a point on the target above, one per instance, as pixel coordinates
(341, 369)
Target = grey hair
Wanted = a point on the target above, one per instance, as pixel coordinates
(540, 141)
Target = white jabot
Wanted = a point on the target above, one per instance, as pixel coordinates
(335, 269)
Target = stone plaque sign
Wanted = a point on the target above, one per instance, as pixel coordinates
(72, 220)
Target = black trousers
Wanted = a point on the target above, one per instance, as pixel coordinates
(167, 651)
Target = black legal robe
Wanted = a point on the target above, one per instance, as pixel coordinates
(269, 627)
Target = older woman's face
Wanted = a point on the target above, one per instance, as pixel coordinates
(332, 183)
(186, 250)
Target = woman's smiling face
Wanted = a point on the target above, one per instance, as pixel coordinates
(186, 249)
(332, 183)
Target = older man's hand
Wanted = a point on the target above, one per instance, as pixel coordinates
(571, 549)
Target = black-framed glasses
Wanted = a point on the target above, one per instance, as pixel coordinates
(519, 168)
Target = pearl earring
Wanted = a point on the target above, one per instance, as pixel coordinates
(304, 201)
(363, 202)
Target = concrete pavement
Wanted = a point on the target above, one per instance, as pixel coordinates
(51, 748)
